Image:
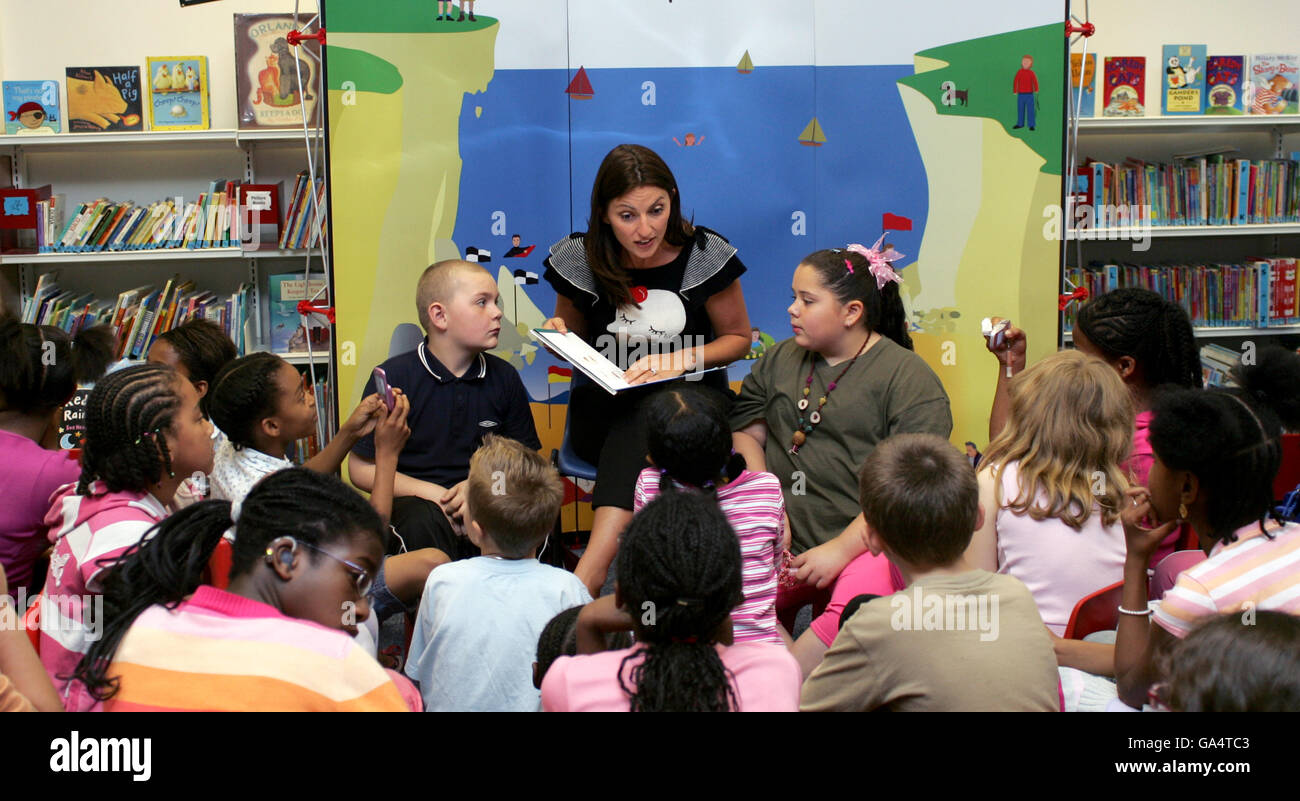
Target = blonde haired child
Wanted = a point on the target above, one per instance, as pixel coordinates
(1052, 482)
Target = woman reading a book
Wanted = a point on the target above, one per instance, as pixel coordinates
(657, 296)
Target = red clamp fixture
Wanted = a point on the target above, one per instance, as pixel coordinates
(1080, 294)
(295, 37)
(305, 308)
(1087, 29)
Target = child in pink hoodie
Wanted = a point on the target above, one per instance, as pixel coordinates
(145, 435)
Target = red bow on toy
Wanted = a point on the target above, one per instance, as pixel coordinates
(305, 308)
(1079, 294)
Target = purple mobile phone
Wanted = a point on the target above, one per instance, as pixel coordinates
(381, 386)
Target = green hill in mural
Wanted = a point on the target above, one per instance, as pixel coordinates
(366, 72)
(397, 16)
(983, 71)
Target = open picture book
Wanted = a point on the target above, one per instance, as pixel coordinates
(609, 376)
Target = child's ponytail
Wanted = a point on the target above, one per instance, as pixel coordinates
(161, 570)
(688, 436)
(679, 568)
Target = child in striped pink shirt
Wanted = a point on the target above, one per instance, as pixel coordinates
(689, 442)
(1216, 455)
(145, 435)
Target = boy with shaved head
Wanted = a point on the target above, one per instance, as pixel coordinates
(459, 393)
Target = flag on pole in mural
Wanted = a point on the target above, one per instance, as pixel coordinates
(478, 255)
(524, 278)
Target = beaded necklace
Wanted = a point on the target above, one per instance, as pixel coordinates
(802, 430)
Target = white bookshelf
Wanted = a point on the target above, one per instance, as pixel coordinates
(1193, 125)
(147, 138)
(1128, 234)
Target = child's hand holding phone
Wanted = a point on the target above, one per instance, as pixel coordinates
(391, 430)
(1006, 342)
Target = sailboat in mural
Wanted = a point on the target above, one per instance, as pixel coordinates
(580, 87)
(813, 134)
(746, 64)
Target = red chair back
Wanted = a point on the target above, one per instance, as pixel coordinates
(32, 621)
(219, 564)
(1288, 475)
(1098, 611)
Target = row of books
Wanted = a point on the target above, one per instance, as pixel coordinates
(104, 225)
(139, 315)
(1256, 293)
(1205, 190)
(1191, 82)
(271, 85)
(307, 447)
(301, 229)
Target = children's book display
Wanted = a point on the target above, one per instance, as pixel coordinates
(272, 87)
(104, 99)
(288, 332)
(32, 107)
(178, 93)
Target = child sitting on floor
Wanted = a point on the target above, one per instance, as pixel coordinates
(479, 620)
(958, 638)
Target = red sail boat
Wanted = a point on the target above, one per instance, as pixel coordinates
(580, 87)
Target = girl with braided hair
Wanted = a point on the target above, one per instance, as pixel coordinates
(145, 434)
(1216, 455)
(40, 368)
(689, 441)
(678, 578)
(305, 552)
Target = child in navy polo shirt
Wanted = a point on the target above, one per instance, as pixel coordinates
(459, 394)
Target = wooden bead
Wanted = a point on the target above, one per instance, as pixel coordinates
(799, 438)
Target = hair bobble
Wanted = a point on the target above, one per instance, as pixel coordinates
(848, 265)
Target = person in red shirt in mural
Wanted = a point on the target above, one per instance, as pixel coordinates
(1026, 89)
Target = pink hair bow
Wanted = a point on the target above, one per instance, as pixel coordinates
(879, 262)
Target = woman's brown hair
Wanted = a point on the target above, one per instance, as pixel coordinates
(625, 168)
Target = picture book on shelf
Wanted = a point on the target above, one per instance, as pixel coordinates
(1225, 85)
(1084, 95)
(1124, 86)
(1273, 79)
(178, 93)
(288, 334)
(32, 107)
(1184, 79)
(272, 87)
(104, 99)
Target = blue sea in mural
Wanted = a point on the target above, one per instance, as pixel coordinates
(747, 176)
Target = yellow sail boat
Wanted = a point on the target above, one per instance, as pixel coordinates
(813, 134)
(746, 65)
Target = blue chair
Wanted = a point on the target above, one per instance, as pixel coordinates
(568, 463)
(406, 338)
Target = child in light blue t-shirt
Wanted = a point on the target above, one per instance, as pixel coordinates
(476, 634)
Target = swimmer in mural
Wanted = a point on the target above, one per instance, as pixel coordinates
(1025, 88)
(691, 141)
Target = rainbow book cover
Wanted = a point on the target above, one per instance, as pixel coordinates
(1225, 85)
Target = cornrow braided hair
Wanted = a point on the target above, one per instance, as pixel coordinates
(680, 555)
(243, 394)
(169, 564)
(127, 417)
(1154, 331)
(882, 308)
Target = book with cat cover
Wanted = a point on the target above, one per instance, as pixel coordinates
(178, 93)
(104, 99)
(1183, 80)
(32, 107)
(1225, 85)
(1085, 98)
(1273, 79)
(1124, 86)
(271, 87)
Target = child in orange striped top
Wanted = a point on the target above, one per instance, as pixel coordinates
(1216, 454)
(305, 552)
